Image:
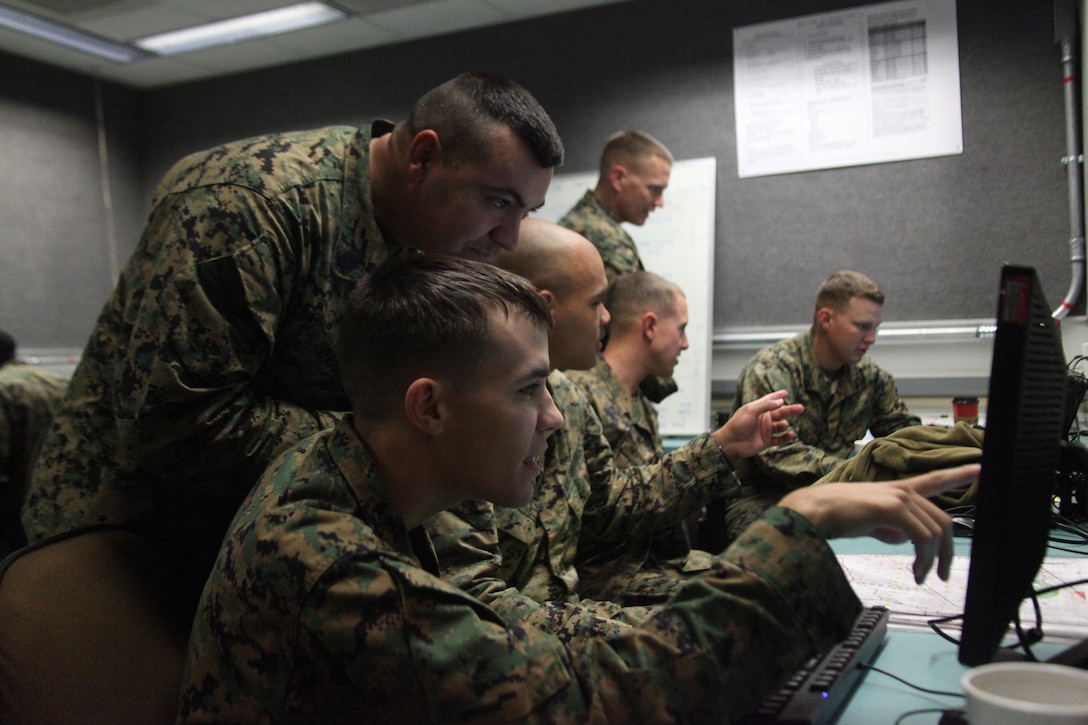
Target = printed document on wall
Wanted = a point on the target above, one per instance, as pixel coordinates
(865, 85)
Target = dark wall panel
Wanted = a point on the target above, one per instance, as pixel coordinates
(54, 240)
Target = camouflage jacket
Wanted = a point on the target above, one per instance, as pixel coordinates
(583, 501)
(634, 571)
(629, 421)
(217, 349)
(590, 218)
(322, 607)
(865, 398)
(466, 542)
(28, 398)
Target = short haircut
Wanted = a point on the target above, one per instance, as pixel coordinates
(7, 348)
(843, 286)
(633, 148)
(424, 315)
(469, 110)
(631, 295)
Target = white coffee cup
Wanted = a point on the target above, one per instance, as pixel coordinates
(1021, 693)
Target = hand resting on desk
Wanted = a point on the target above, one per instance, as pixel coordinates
(891, 511)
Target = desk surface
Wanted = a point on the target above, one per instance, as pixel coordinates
(923, 659)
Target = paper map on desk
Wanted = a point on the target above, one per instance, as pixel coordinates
(887, 580)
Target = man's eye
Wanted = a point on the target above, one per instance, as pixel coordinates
(500, 203)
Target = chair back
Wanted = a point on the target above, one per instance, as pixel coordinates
(93, 629)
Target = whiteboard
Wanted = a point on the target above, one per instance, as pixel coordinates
(677, 242)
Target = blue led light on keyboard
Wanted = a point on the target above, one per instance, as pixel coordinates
(819, 689)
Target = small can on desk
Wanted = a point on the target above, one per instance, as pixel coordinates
(965, 409)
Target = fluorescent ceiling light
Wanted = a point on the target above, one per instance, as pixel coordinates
(67, 36)
(292, 17)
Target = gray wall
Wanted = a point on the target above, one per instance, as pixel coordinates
(56, 249)
(932, 231)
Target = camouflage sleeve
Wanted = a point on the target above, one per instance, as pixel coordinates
(640, 500)
(726, 641)
(466, 543)
(794, 463)
(28, 398)
(618, 250)
(207, 320)
(619, 259)
(891, 412)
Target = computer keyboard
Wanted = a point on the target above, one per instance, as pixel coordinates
(819, 689)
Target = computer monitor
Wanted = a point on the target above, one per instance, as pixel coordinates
(1020, 458)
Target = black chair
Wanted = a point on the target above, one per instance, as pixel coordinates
(93, 629)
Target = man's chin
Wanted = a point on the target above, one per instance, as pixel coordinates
(478, 255)
(517, 496)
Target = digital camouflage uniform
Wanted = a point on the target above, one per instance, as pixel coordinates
(583, 508)
(467, 546)
(591, 218)
(629, 421)
(217, 350)
(837, 412)
(323, 608)
(28, 398)
(630, 427)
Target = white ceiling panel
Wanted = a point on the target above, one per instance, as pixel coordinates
(441, 16)
(373, 23)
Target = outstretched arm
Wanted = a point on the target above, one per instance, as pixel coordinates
(892, 511)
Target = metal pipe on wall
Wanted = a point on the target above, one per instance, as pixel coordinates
(1067, 36)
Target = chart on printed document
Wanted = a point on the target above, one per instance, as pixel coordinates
(887, 580)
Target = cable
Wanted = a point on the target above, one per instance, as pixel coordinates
(932, 711)
(943, 693)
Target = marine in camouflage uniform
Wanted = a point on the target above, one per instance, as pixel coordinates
(323, 607)
(179, 402)
(29, 396)
(585, 510)
(630, 427)
(217, 350)
(838, 411)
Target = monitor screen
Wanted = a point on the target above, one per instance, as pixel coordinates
(1025, 415)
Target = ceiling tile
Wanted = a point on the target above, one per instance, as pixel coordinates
(140, 22)
(379, 22)
(445, 16)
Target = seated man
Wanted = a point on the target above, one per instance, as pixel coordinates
(648, 321)
(325, 604)
(28, 397)
(844, 393)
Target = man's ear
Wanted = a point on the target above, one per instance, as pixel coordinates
(424, 150)
(649, 325)
(424, 405)
(549, 297)
(823, 318)
(616, 176)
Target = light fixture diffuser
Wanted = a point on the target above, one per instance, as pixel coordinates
(68, 36)
(222, 32)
